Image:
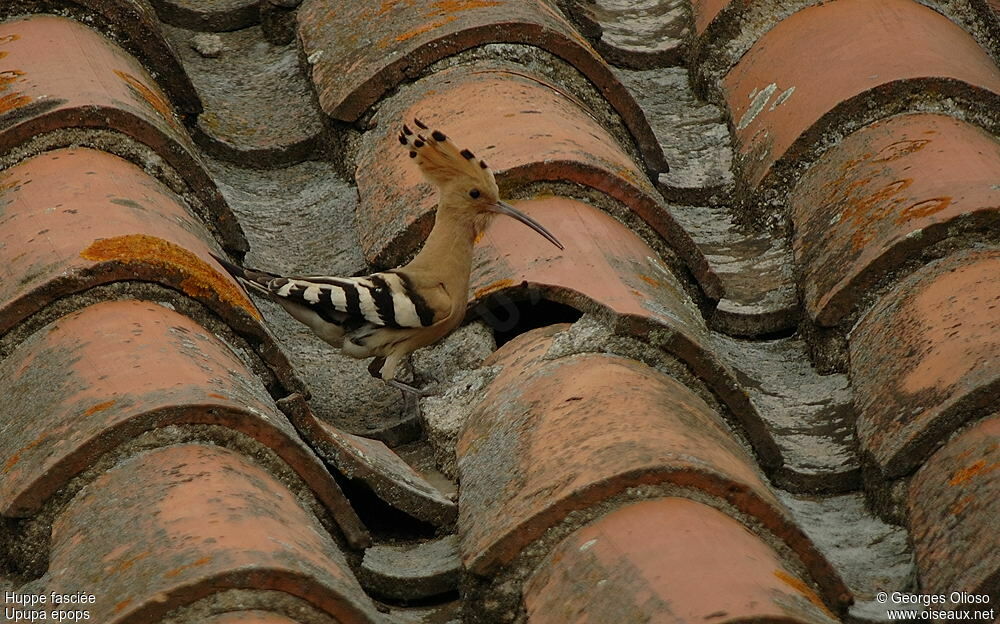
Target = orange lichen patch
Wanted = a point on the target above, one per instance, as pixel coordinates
(901, 148)
(121, 605)
(976, 469)
(419, 30)
(200, 281)
(127, 563)
(194, 564)
(9, 38)
(153, 98)
(16, 457)
(449, 6)
(13, 100)
(923, 208)
(388, 5)
(100, 407)
(8, 182)
(799, 586)
(492, 288)
(655, 283)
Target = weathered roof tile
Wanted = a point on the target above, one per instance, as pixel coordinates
(77, 218)
(800, 80)
(376, 46)
(670, 559)
(926, 358)
(549, 439)
(209, 15)
(606, 268)
(373, 463)
(179, 523)
(103, 387)
(44, 88)
(133, 25)
(871, 204)
(954, 502)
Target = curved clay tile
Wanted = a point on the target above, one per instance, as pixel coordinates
(926, 359)
(540, 133)
(47, 89)
(133, 25)
(873, 203)
(373, 463)
(725, 29)
(79, 218)
(180, 523)
(954, 502)
(606, 268)
(208, 16)
(553, 439)
(800, 82)
(89, 382)
(670, 559)
(360, 51)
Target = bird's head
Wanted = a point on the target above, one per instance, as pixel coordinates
(466, 184)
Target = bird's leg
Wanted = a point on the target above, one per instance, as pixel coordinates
(408, 389)
(375, 369)
(411, 395)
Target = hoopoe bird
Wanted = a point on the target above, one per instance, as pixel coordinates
(390, 314)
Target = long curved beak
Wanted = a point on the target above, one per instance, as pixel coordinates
(506, 209)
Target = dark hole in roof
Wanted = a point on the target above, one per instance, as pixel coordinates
(513, 313)
(383, 520)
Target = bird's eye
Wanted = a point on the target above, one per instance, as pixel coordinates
(474, 193)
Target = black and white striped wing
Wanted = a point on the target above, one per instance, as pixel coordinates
(381, 299)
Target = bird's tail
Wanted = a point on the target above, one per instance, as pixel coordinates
(252, 278)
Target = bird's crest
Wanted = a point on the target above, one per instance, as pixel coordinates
(441, 161)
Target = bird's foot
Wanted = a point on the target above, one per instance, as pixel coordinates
(409, 390)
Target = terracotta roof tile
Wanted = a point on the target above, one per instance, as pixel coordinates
(46, 89)
(926, 358)
(869, 205)
(74, 211)
(726, 30)
(592, 485)
(408, 572)
(954, 502)
(800, 81)
(103, 388)
(179, 523)
(668, 560)
(607, 268)
(547, 135)
(78, 218)
(521, 474)
(133, 25)
(375, 47)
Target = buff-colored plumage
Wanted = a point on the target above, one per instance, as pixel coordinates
(389, 315)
